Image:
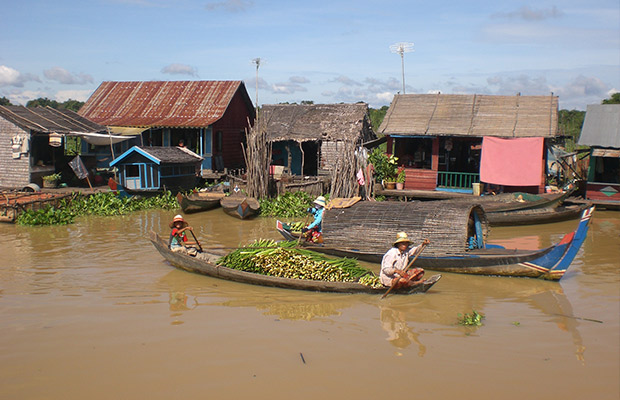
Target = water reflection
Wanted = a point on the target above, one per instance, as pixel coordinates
(400, 334)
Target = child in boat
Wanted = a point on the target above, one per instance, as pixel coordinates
(394, 263)
(313, 231)
(178, 239)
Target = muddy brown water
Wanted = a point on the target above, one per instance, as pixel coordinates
(91, 311)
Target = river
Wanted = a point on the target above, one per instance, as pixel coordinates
(91, 311)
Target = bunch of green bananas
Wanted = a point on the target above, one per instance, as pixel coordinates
(370, 280)
(283, 259)
(296, 226)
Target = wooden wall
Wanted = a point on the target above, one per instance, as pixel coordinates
(420, 179)
(14, 173)
(233, 125)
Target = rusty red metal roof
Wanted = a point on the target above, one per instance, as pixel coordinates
(161, 103)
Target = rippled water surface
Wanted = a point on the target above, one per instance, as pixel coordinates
(91, 311)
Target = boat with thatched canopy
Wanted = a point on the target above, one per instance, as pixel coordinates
(457, 233)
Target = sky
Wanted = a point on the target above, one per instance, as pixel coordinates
(321, 51)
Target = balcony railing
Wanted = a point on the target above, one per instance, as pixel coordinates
(457, 180)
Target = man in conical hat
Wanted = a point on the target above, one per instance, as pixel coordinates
(394, 263)
(314, 230)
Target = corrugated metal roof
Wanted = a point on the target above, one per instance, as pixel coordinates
(161, 103)
(471, 115)
(601, 127)
(309, 122)
(47, 119)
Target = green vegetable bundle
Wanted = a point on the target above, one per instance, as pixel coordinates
(283, 259)
(288, 205)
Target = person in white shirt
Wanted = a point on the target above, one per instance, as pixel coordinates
(394, 263)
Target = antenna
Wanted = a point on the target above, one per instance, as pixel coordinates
(402, 48)
(256, 61)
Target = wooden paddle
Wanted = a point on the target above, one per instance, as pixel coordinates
(301, 233)
(408, 266)
(196, 239)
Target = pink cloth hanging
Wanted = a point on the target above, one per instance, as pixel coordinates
(512, 162)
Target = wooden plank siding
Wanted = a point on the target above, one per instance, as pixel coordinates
(595, 191)
(13, 172)
(233, 125)
(420, 179)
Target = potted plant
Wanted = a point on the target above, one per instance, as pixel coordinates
(400, 178)
(385, 167)
(51, 181)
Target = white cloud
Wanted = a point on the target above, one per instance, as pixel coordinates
(12, 77)
(79, 95)
(179, 69)
(63, 76)
(293, 85)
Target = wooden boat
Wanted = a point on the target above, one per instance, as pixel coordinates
(240, 206)
(514, 201)
(199, 201)
(206, 264)
(13, 203)
(536, 215)
(548, 263)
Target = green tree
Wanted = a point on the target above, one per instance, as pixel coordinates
(570, 124)
(614, 99)
(72, 105)
(42, 102)
(5, 102)
(376, 116)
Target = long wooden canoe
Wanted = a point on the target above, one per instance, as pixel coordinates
(241, 207)
(536, 215)
(206, 264)
(514, 201)
(200, 201)
(548, 263)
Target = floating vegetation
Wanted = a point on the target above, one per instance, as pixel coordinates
(283, 259)
(287, 205)
(102, 204)
(473, 319)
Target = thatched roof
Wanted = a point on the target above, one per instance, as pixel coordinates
(48, 120)
(471, 115)
(190, 104)
(310, 122)
(371, 226)
(601, 128)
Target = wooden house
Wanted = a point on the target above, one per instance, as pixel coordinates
(306, 139)
(156, 168)
(34, 142)
(208, 117)
(601, 131)
(450, 142)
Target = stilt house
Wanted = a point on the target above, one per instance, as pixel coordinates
(208, 117)
(34, 142)
(449, 142)
(601, 131)
(308, 138)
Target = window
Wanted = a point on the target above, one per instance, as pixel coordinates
(132, 171)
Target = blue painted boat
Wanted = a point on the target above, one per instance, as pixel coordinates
(547, 263)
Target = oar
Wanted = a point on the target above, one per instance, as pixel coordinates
(408, 266)
(196, 239)
(301, 233)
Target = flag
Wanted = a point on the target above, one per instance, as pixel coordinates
(78, 167)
